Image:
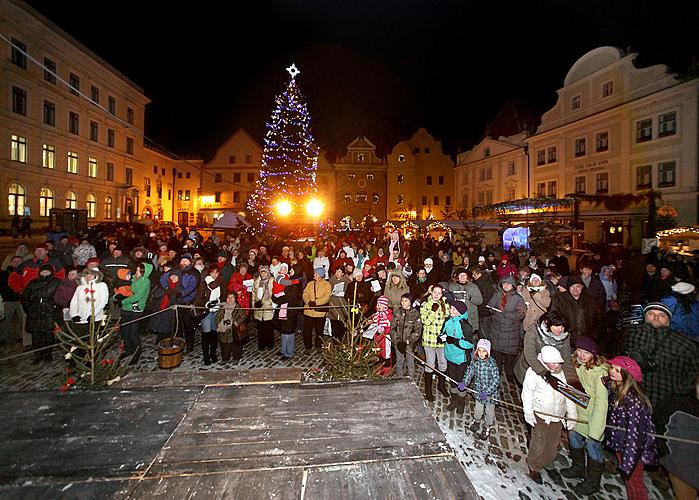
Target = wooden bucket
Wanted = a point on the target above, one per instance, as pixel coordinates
(168, 356)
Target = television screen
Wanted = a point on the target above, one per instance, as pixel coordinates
(517, 236)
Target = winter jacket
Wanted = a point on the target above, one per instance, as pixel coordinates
(675, 359)
(265, 311)
(28, 270)
(685, 322)
(339, 313)
(459, 328)
(433, 321)
(538, 395)
(323, 262)
(597, 291)
(292, 298)
(6, 291)
(359, 292)
(88, 294)
(210, 290)
(487, 288)
(319, 292)
(537, 303)
(65, 293)
(109, 267)
(418, 289)
(506, 325)
(394, 292)
(83, 253)
(38, 304)
(140, 288)
(236, 315)
(596, 412)
(485, 376)
(536, 337)
(187, 285)
(469, 294)
(634, 443)
(406, 326)
(582, 314)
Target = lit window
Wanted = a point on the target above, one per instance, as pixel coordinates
(48, 156)
(91, 205)
(401, 158)
(360, 157)
(92, 167)
(19, 149)
(72, 162)
(666, 174)
(107, 207)
(351, 176)
(187, 195)
(644, 130)
(644, 177)
(667, 124)
(348, 198)
(370, 176)
(375, 198)
(16, 199)
(71, 200)
(400, 178)
(361, 198)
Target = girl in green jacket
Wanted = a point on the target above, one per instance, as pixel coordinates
(591, 368)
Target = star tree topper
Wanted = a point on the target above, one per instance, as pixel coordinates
(293, 71)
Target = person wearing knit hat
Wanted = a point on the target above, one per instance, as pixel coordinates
(458, 335)
(187, 256)
(546, 411)
(659, 307)
(382, 301)
(320, 271)
(484, 373)
(683, 288)
(588, 434)
(631, 426)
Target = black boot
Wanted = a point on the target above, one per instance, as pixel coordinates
(442, 386)
(577, 468)
(428, 387)
(593, 476)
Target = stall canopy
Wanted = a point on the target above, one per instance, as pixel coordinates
(231, 220)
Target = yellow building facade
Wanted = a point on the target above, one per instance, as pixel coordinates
(71, 125)
(420, 180)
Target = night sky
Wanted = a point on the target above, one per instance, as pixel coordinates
(376, 68)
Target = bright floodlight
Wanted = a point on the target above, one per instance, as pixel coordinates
(314, 208)
(283, 207)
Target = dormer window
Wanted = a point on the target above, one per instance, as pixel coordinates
(608, 88)
(360, 157)
(401, 158)
(576, 102)
(486, 152)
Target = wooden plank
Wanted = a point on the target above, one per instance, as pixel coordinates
(165, 378)
(420, 478)
(117, 488)
(283, 484)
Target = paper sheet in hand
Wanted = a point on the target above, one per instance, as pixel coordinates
(370, 332)
(248, 285)
(494, 308)
(339, 289)
(375, 286)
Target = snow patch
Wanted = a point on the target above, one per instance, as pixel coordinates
(44, 408)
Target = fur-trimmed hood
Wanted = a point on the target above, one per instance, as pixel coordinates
(98, 275)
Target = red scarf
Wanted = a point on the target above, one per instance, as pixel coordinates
(165, 302)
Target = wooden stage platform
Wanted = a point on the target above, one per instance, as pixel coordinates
(257, 434)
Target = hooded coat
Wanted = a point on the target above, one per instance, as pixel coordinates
(88, 293)
(38, 304)
(507, 324)
(459, 328)
(140, 287)
(596, 412)
(394, 292)
(536, 337)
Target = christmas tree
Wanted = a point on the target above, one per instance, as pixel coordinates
(289, 160)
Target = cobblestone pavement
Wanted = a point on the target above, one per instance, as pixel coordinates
(496, 467)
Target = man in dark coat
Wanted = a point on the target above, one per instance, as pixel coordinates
(593, 285)
(487, 289)
(579, 309)
(560, 261)
(508, 311)
(38, 303)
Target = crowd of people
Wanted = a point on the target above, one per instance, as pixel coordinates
(474, 313)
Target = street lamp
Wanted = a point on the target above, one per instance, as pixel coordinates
(314, 207)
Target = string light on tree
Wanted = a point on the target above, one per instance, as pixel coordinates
(289, 158)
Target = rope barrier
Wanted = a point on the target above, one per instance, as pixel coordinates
(521, 409)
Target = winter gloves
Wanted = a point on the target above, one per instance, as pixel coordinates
(551, 380)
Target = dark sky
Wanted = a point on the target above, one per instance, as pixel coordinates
(379, 68)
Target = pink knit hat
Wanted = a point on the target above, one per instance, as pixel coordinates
(629, 365)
